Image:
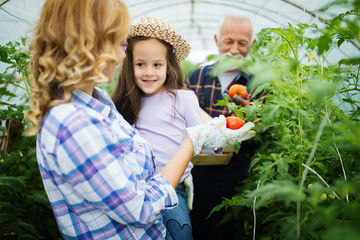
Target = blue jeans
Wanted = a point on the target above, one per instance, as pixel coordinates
(177, 220)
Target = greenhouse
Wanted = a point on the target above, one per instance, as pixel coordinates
(198, 20)
(297, 147)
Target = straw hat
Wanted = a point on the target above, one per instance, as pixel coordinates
(156, 28)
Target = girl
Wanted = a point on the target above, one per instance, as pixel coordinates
(150, 95)
(98, 172)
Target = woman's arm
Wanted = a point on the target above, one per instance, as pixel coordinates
(174, 170)
(106, 166)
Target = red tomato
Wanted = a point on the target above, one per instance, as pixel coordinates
(239, 90)
(234, 122)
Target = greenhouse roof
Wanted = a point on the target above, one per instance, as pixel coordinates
(196, 20)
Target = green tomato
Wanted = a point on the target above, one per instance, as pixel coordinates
(331, 196)
(323, 196)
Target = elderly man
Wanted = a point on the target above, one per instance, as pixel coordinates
(212, 183)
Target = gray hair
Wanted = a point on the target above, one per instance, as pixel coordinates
(236, 16)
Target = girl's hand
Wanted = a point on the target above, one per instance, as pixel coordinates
(215, 135)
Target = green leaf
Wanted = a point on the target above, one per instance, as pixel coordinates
(282, 167)
(284, 191)
(324, 44)
(3, 55)
(350, 61)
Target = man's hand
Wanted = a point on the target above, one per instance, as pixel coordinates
(237, 100)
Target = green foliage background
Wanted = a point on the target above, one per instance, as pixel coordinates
(25, 212)
(304, 179)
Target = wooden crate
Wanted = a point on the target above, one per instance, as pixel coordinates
(210, 159)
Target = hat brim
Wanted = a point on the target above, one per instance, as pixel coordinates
(156, 28)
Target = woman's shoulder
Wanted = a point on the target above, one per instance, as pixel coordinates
(71, 113)
(66, 112)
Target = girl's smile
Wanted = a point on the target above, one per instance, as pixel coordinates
(149, 82)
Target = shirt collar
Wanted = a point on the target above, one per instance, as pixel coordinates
(98, 102)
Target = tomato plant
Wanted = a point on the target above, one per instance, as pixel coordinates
(238, 90)
(307, 129)
(24, 206)
(234, 122)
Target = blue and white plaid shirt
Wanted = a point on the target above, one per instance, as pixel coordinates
(98, 172)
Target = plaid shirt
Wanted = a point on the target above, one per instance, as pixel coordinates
(98, 173)
(208, 89)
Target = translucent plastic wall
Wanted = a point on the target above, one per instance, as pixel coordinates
(196, 20)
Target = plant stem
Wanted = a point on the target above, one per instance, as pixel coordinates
(311, 156)
(340, 158)
(254, 211)
(292, 49)
(25, 81)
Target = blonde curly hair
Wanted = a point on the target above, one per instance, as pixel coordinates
(73, 43)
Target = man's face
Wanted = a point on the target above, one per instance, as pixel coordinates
(235, 38)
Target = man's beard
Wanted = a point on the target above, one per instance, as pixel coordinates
(238, 55)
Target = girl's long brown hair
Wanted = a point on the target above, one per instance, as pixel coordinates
(73, 43)
(127, 95)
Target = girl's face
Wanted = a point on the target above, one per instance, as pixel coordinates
(150, 66)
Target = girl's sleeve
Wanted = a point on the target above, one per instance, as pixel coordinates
(191, 109)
